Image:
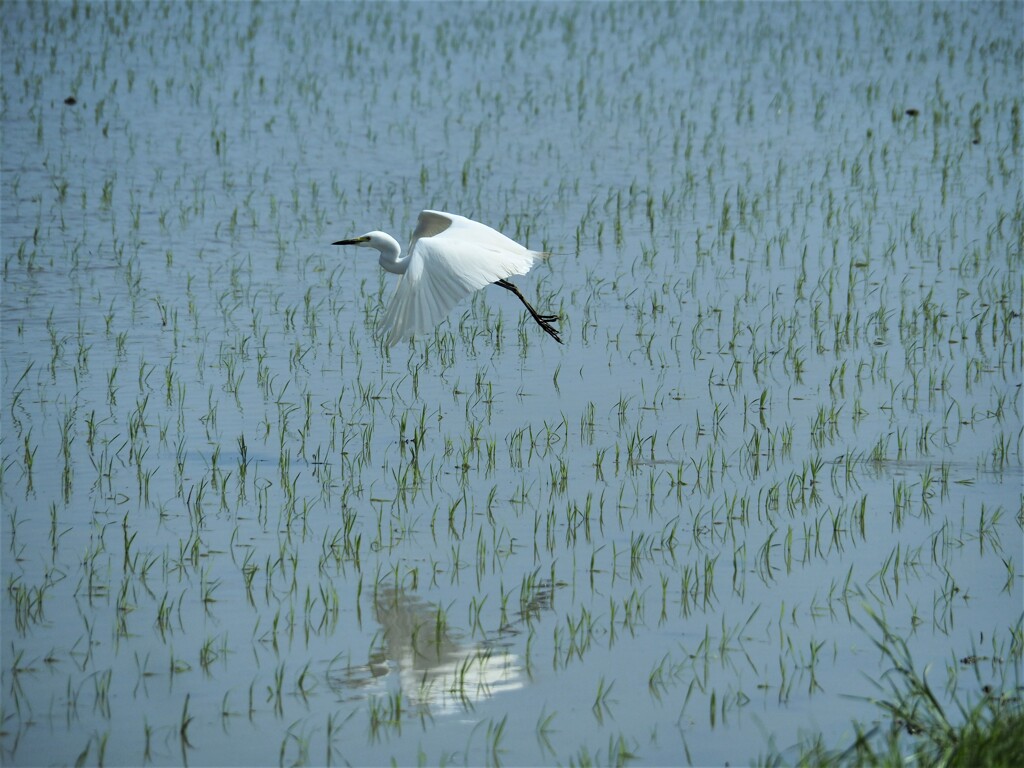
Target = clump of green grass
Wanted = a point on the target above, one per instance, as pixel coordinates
(988, 731)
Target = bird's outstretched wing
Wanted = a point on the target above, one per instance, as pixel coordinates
(430, 224)
(450, 257)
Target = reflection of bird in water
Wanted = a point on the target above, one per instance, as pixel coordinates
(428, 661)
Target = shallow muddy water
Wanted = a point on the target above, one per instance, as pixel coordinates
(786, 249)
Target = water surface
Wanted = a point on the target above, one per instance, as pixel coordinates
(786, 250)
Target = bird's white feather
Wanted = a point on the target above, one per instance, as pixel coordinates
(450, 257)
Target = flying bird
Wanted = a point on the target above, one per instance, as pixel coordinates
(448, 258)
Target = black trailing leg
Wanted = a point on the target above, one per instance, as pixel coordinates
(544, 321)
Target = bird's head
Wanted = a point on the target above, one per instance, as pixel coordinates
(382, 241)
(385, 244)
(364, 241)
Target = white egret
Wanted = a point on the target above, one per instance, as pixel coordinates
(449, 258)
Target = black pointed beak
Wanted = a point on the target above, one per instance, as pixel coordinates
(352, 241)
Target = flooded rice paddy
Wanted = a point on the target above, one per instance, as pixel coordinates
(787, 256)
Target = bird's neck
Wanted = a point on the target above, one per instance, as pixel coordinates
(391, 258)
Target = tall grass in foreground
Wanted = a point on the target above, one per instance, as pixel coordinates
(920, 731)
